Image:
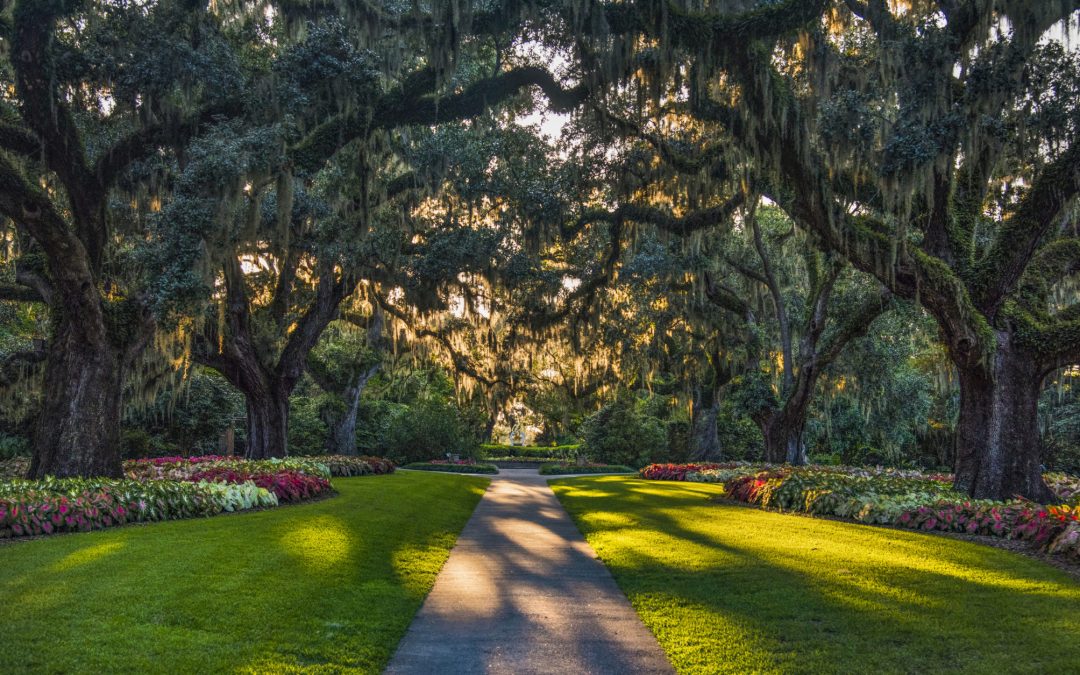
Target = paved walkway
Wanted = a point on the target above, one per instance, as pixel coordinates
(522, 592)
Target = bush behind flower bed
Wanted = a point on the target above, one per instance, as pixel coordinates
(489, 450)
(559, 468)
(14, 467)
(452, 467)
(341, 465)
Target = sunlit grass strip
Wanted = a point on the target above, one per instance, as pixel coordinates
(728, 589)
(329, 586)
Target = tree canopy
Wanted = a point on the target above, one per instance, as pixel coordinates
(744, 201)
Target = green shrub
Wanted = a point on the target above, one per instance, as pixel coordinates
(619, 434)
(559, 468)
(138, 443)
(307, 430)
(530, 451)
(739, 437)
(14, 446)
(679, 438)
(427, 429)
(373, 421)
(453, 468)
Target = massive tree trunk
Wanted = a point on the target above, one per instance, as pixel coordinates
(998, 455)
(784, 438)
(78, 429)
(267, 421)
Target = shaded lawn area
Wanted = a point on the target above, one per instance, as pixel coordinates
(734, 589)
(324, 587)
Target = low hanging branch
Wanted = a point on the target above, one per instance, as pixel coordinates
(462, 363)
(416, 103)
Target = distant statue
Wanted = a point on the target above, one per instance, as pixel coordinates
(517, 437)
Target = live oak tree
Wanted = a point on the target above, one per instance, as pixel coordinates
(92, 89)
(817, 308)
(931, 143)
(104, 99)
(352, 99)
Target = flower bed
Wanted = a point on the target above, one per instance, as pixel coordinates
(288, 485)
(893, 497)
(32, 507)
(164, 488)
(460, 466)
(180, 468)
(569, 468)
(673, 471)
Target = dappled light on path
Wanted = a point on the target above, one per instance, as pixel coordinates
(522, 592)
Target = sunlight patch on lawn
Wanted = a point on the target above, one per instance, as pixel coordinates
(86, 555)
(323, 543)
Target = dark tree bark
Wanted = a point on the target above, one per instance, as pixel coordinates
(267, 421)
(783, 433)
(998, 428)
(78, 429)
(704, 439)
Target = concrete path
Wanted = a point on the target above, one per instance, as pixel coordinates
(522, 592)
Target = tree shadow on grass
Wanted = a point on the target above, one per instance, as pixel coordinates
(732, 589)
(316, 584)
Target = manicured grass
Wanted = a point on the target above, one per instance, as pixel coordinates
(324, 587)
(730, 589)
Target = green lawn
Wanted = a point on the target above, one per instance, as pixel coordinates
(728, 588)
(323, 587)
